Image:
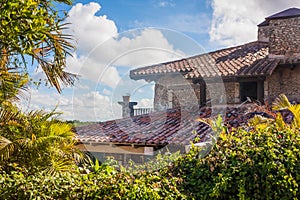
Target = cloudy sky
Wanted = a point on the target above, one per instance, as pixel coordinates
(113, 37)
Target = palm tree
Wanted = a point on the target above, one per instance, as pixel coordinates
(34, 29)
(36, 141)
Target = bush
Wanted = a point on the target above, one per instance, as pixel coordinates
(261, 163)
(105, 184)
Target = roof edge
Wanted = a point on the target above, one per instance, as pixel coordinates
(288, 13)
(139, 76)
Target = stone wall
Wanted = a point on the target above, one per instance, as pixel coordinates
(185, 95)
(263, 34)
(173, 92)
(283, 80)
(160, 97)
(220, 93)
(285, 36)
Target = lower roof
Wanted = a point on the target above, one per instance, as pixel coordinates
(173, 126)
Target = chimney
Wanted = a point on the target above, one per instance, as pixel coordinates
(127, 106)
(282, 31)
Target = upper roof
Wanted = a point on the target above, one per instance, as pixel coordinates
(244, 60)
(288, 13)
(291, 12)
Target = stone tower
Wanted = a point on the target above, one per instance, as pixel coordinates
(282, 31)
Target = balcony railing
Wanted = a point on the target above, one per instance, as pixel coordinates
(142, 111)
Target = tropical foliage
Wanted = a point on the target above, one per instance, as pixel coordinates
(258, 161)
(36, 141)
(32, 30)
(38, 161)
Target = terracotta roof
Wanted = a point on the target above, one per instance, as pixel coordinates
(245, 60)
(159, 128)
(173, 126)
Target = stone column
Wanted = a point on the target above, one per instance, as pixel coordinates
(127, 106)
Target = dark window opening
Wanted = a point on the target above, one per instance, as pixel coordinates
(248, 89)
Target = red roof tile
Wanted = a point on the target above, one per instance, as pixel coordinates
(173, 126)
(250, 59)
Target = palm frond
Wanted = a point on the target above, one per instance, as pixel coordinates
(295, 109)
(59, 165)
(8, 114)
(260, 122)
(281, 102)
(13, 84)
(7, 148)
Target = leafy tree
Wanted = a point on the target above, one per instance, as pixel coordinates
(34, 29)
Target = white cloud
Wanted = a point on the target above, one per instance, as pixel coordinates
(47, 100)
(106, 92)
(93, 106)
(145, 103)
(87, 106)
(235, 21)
(89, 69)
(165, 3)
(89, 29)
(100, 51)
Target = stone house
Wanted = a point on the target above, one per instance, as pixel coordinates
(259, 70)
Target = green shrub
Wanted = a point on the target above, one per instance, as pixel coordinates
(106, 183)
(261, 163)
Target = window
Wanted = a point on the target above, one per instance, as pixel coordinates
(248, 89)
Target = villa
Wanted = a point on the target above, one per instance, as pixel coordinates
(187, 89)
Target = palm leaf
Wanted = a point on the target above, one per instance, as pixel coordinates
(295, 109)
(7, 148)
(281, 102)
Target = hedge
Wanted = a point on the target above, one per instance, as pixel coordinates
(260, 161)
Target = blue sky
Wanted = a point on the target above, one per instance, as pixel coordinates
(176, 15)
(113, 37)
